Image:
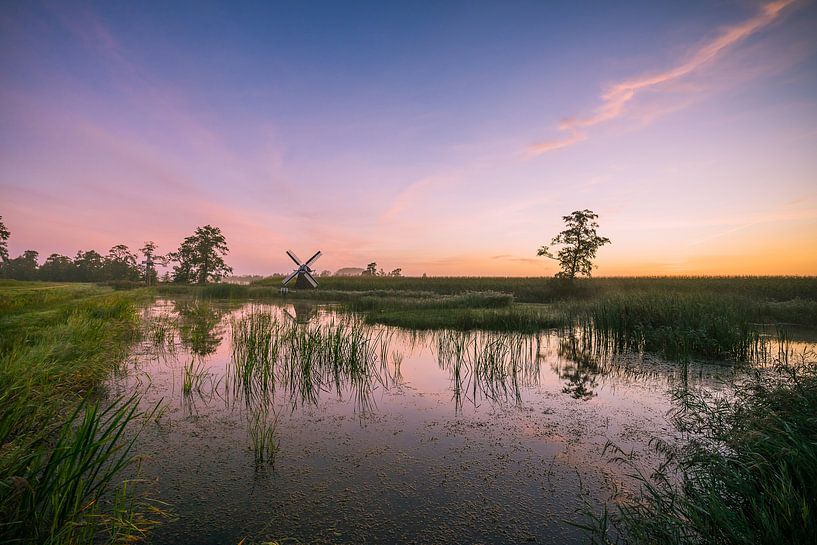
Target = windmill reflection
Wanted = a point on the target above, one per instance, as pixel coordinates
(301, 312)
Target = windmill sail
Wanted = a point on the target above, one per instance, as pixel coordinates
(303, 274)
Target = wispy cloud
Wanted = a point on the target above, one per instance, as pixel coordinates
(617, 96)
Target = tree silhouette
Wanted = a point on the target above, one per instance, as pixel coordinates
(579, 241)
(200, 257)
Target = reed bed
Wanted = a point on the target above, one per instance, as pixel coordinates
(680, 327)
(744, 472)
(491, 365)
(549, 290)
(305, 359)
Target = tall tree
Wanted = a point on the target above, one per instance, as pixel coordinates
(57, 268)
(23, 267)
(88, 266)
(4, 237)
(120, 264)
(200, 257)
(371, 269)
(579, 242)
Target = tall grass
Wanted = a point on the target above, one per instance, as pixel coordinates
(305, 359)
(678, 326)
(547, 290)
(59, 451)
(262, 429)
(488, 365)
(57, 490)
(745, 472)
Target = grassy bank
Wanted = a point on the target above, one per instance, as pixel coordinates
(746, 473)
(60, 449)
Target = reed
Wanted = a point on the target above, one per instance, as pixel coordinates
(262, 430)
(305, 359)
(59, 451)
(744, 472)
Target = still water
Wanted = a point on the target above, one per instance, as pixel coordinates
(437, 437)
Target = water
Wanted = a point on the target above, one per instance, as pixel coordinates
(425, 447)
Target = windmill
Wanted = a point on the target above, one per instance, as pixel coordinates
(303, 272)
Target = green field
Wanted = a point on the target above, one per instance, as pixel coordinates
(60, 449)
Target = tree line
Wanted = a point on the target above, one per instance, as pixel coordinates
(198, 260)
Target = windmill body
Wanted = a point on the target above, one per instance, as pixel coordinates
(303, 274)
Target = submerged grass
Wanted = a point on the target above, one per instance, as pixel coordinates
(745, 474)
(306, 359)
(58, 450)
(262, 428)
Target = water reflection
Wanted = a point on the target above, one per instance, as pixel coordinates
(580, 366)
(284, 421)
(487, 365)
(199, 325)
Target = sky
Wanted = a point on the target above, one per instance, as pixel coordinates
(446, 138)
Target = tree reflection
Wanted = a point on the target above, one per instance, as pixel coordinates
(580, 367)
(199, 325)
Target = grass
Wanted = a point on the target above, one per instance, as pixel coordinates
(680, 326)
(548, 290)
(746, 472)
(262, 429)
(717, 318)
(193, 376)
(59, 449)
(305, 359)
(488, 364)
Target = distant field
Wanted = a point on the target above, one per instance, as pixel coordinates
(545, 290)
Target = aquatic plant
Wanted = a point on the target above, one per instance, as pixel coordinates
(305, 359)
(193, 376)
(488, 364)
(744, 472)
(262, 428)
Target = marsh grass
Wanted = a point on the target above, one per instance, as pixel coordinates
(718, 318)
(54, 496)
(60, 451)
(193, 376)
(680, 327)
(744, 473)
(495, 366)
(305, 359)
(262, 426)
(784, 291)
(516, 318)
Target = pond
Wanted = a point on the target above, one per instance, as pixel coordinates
(282, 422)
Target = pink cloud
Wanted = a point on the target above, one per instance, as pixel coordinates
(619, 95)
